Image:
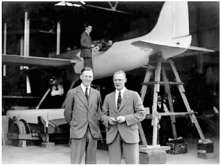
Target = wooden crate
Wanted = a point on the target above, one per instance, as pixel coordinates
(152, 157)
(177, 148)
(202, 154)
(208, 147)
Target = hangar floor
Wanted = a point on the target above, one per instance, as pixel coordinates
(59, 154)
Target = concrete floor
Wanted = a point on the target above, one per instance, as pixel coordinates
(59, 154)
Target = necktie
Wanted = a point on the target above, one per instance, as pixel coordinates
(119, 100)
(86, 94)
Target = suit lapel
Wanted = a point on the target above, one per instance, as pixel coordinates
(124, 99)
(82, 96)
(91, 96)
(113, 101)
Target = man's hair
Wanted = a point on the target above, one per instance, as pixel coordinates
(120, 72)
(86, 69)
(87, 25)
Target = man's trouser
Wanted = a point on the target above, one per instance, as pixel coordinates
(130, 150)
(86, 144)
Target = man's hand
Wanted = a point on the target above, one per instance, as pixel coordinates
(112, 121)
(92, 45)
(120, 119)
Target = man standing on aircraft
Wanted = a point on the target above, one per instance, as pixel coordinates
(122, 110)
(86, 46)
(81, 112)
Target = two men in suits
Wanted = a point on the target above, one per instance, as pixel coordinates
(86, 46)
(81, 112)
(122, 110)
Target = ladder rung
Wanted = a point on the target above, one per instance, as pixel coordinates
(173, 113)
(149, 67)
(161, 82)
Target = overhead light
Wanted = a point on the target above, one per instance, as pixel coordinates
(63, 3)
(60, 4)
(77, 5)
(69, 4)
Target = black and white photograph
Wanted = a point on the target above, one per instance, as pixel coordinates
(110, 82)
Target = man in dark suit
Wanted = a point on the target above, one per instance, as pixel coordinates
(82, 112)
(86, 46)
(122, 110)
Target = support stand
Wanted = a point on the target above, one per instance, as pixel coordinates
(155, 114)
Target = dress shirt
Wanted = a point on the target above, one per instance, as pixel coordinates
(116, 95)
(84, 89)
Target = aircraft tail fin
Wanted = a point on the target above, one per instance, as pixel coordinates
(172, 29)
(170, 36)
(173, 21)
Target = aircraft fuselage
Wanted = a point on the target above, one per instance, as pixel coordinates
(121, 55)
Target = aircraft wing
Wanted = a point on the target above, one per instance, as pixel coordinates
(158, 45)
(39, 61)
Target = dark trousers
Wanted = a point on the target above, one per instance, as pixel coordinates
(130, 150)
(88, 62)
(86, 144)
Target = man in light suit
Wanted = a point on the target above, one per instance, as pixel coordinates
(82, 112)
(86, 46)
(122, 110)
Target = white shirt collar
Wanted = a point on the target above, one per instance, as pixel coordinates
(84, 88)
(122, 92)
(87, 32)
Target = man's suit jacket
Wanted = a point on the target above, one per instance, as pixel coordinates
(134, 112)
(86, 42)
(79, 113)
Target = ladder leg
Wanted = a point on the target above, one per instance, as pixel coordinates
(144, 87)
(154, 110)
(182, 92)
(143, 138)
(143, 93)
(172, 117)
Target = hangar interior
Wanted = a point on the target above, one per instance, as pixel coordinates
(199, 71)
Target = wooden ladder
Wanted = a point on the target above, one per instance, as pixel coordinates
(171, 113)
